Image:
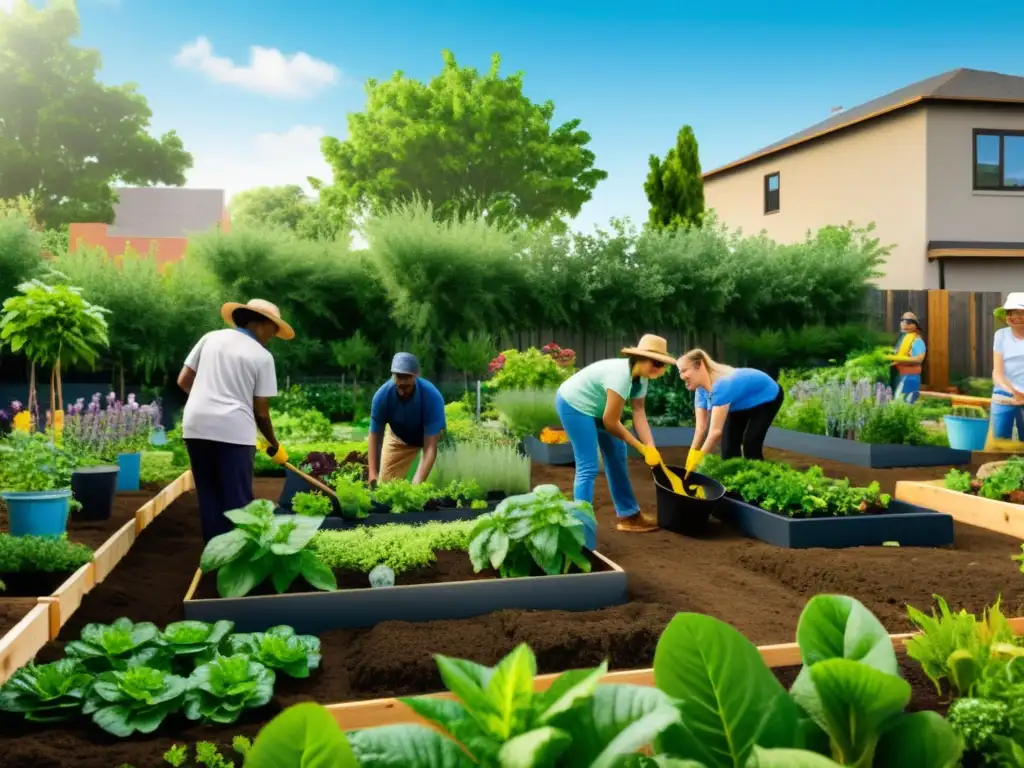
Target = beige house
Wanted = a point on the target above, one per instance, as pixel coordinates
(938, 166)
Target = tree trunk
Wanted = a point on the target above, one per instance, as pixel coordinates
(122, 382)
(60, 389)
(53, 399)
(465, 378)
(31, 389)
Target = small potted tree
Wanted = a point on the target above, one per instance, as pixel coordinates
(35, 481)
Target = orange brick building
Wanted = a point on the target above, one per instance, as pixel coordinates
(155, 220)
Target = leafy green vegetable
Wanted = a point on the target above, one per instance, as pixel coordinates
(354, 499)
(312, 504)
(264, 545)
(402, 496)
(400, 547)
(42, 554)
(220, 690)
(1006, 483)
(307, 735)
(46, 692)
(281, 649)
(106, 647)
(540, 529)
(956, 480)
(194, 642)
(136, 699)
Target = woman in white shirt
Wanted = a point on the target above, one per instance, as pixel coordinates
(1008, 370)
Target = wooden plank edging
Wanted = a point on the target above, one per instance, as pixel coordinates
(998, 516)
(24, 640)
(357, 715)
(68, 596)
(113, 550)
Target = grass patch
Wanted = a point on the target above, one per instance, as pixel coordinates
(400, 547)
(492, 467)
(158, 468)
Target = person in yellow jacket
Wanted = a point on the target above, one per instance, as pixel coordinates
(734, 405)
(909, 354)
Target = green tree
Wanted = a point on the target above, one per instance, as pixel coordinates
(64, 136)
(468, 143)
(287, 207)
(19, 250)
(470, 354)
(674, 186)
(354, 354)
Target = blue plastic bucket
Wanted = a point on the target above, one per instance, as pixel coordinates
(158, 437)
(966, 433)
(130, 465)
(589, 529)
(37, 513)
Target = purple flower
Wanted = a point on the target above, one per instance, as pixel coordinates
(16, 406)
(4, 416)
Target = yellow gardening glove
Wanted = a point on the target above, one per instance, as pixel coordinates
(693, 460)
(279, 456)
(651, 456)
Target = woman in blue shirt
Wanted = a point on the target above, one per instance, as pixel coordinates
(907, 358)
(1008, 370)
(734, 405)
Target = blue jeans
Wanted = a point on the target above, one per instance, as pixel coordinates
(586, 440)
(911, 386)
(1004, 417)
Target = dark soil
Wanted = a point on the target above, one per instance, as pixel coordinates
(13, 610)
(757, 588)
(33, 583)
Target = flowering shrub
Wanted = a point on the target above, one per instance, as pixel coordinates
(107, 429)
(564, 357)
(532, 369)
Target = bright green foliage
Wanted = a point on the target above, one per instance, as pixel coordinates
(281, 649)
(312, 504)
(304, 734)
(674, 186)
(19, 253)
(538, 530)
(289, 208)
(401, 496)
(134, 700)
(354, 498)
(529, 370)
(191, 643)
(30, 462)
(470, 354)
(117, 646)
(402, 548)
(526, 411)
(47, 692)
(264, 545)
(491, 466)
(221, 690)
(42, 554)
(68, 136)
(467, 142)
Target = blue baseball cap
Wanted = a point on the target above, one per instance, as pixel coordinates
(405, 364)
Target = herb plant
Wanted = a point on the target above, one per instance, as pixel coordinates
(311, 504)
(47, 692)
(279, 648)
(535, 530)
(134, 700)
(41, 554)
(491, 466)
(207, 754)
(400, 547)
(265, 546)
(220, 690)
(107, 647)
(30, 462)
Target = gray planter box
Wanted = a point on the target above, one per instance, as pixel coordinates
(546, 453)
(909, 525)
(316, 612)
(864, 454)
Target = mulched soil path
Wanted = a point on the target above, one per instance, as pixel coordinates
(13, 610)
(757, 588)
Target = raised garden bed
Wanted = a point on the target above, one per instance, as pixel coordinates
(904, 524)
(554, 454)
(441, 515)
(864, 454)
(999, 516)
(446, 590)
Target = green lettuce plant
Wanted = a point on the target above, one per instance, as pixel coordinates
(137, 699)
(265, 546)
(191, 643)
(279, 648)
(47, 693)
(220, 690)
(106, 647)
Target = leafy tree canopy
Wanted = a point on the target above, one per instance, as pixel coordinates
(64, 136)
(287, 207)
(675, 186)
(467, 143)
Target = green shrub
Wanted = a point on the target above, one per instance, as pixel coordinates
(531, 369)
(23, 554)
(305, 426)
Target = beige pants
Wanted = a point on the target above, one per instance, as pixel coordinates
(395, 457)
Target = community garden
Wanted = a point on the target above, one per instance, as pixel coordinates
(130, 642)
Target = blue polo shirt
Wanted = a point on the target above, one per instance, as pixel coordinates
(422, 415)
(745, 388)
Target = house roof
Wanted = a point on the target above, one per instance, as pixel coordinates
(165, 211)
(956, 85)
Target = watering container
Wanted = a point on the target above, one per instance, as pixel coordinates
(685, 514)
(130, 465)
(966, 433)
(589, 529)
(94, 488)
(37, 513)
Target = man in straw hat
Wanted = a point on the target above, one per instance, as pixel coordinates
(406, 416)
(590, 405)
(229, 377)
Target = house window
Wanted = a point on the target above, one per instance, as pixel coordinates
(771, 193)
(999, 160)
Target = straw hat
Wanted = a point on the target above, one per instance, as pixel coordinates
(1013, 301)
(260, 307)
(653, 348)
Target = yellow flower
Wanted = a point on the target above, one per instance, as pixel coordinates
(553, 436)
(23, 421)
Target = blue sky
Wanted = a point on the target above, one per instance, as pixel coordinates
(743, 74)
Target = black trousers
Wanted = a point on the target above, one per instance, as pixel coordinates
(223, 477)
(744, 431)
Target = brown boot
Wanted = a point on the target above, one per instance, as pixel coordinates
(638, 523)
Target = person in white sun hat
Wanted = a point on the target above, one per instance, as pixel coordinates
(229, 377)
(1008, 370)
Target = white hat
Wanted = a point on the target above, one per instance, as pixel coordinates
(1013, 301)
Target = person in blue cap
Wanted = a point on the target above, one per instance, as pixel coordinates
(406, 417)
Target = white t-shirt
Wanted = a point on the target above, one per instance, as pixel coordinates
(231, 369)
(1012, 350)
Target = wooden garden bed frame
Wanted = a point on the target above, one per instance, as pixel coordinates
(357, 715)
(998, 516)
(43, 623)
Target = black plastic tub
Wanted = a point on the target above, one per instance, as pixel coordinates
(94, 488)
(687, 515)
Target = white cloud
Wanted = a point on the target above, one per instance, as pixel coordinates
(6, 5)
(270, 72)
(268, 159)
